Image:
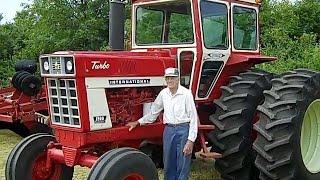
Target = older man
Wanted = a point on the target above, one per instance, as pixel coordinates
(181, 126)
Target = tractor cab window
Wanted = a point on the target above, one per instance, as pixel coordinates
(214, 24)
(244, 28)
(214, 18)
(149, 26)
(164, 23)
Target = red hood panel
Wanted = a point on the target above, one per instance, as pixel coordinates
(123, 63)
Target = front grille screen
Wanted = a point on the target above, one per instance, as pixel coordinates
(64, 102)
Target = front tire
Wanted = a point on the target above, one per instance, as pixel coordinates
(288, 128)
(234, 117)
(28, 159)
(124, 165)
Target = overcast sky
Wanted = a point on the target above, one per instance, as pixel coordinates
(8, 8)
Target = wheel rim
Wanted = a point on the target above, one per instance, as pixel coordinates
(133, 176)
(310, 140)
(40, 172)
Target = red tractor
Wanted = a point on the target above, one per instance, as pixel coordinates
(23, 106)
(92, 95)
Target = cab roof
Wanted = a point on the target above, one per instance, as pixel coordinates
(247, 1)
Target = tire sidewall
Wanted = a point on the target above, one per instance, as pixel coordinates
(13, 153)
(129, 162)
(23, 162)
(105, 159)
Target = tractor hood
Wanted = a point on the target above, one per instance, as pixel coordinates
(119, 63)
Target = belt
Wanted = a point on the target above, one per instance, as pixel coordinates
(176, 125)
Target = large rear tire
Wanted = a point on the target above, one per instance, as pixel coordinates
(288, 141)
(28, 161)
(234, 118)
(124, 165)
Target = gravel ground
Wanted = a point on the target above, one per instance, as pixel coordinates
(201, 169)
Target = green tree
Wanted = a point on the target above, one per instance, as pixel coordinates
(309, 17)
(290, 32)
(6, 53)
(48, 26)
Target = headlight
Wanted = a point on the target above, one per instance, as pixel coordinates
(45, 65)
(69, 65)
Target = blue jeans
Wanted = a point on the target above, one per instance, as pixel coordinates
(176, 164)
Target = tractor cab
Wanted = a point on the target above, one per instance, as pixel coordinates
(202, 33)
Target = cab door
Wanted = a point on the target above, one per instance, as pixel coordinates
(216, 44)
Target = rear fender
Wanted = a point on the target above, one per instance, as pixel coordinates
(248, 59)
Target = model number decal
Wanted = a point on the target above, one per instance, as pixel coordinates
(129, 81)
(99, 119)
(98, 65)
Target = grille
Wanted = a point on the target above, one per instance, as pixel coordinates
(64, 102)
(56, 65)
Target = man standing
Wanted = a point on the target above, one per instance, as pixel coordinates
(181, 125)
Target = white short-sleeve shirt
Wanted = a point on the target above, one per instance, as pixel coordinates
(178, 108)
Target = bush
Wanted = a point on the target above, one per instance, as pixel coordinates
(290, 35)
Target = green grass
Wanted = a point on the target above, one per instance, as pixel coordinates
(200, 170)
(8, 140)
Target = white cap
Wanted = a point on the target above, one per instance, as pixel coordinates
(174, 72)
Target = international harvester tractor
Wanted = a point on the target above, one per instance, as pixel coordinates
(92, 95)
(23, 105)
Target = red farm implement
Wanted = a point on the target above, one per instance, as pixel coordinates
(23, 106)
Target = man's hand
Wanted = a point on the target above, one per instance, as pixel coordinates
(188, 147)
(132, 125)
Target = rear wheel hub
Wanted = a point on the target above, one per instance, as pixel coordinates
(310, 138)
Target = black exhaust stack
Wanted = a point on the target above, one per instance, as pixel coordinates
(116, 24)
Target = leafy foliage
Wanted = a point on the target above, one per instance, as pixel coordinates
(47, 26)
(291, 32)
(50, 26)
(7, 50)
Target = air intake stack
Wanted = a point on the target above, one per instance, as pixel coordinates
(116, 24)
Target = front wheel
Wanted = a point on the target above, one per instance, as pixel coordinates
(124, 164)
(28, 161)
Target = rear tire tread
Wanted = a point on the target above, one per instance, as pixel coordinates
(235, 110)
(278, 140)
